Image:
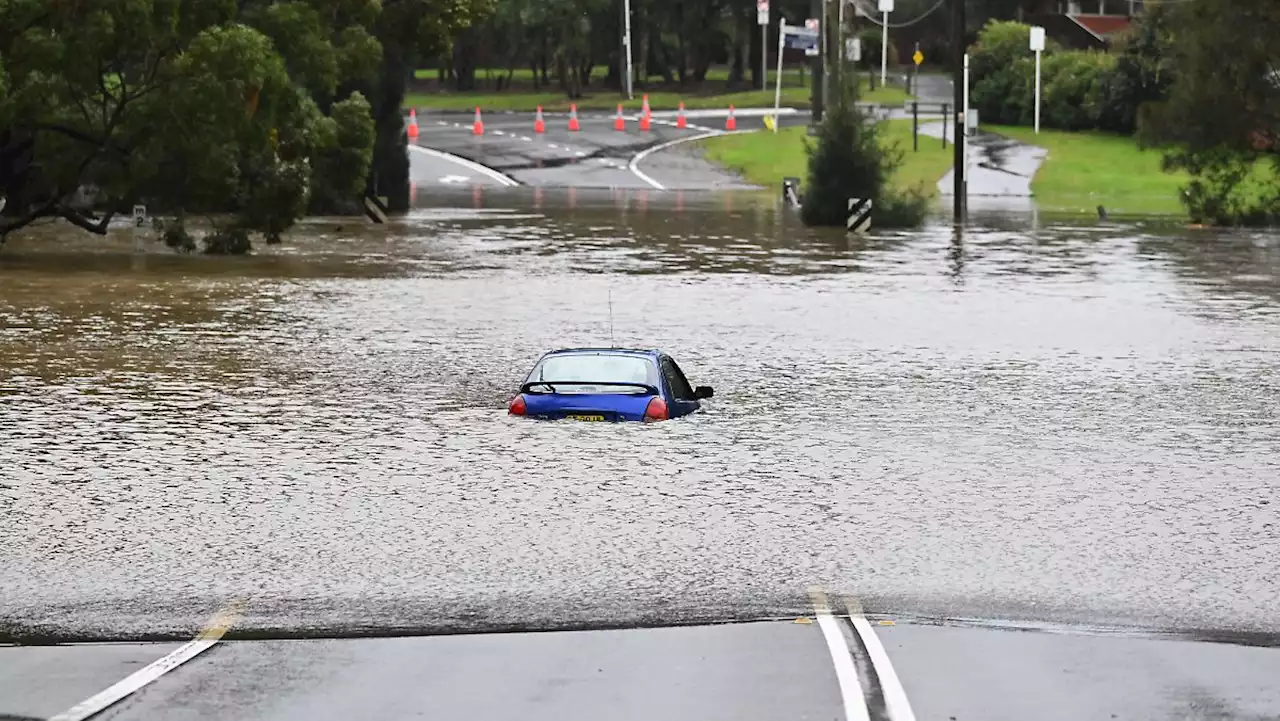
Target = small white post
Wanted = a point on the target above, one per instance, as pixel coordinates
(1037, 46)
(886, 7)
(777, 93)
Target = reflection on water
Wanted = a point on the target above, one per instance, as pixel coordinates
(1067, 422)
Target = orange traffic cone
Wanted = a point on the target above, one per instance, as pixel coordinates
(573, 117)
(477, 128)
(538, 125)
(680, 121)
(730, 123)
(413, 124)
(619, 123)
(645, 114)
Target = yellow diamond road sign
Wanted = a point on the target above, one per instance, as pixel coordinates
(918, 57)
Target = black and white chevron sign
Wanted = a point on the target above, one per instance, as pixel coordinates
(859, 220)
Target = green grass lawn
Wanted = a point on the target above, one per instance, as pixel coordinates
(796, 76)
(1088, 169)
(608, 100)
(764, 158)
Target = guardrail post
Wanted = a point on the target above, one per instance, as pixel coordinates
(946, 117)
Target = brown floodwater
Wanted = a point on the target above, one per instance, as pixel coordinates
(1038, 418)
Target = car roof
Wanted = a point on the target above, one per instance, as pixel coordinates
(650, 353)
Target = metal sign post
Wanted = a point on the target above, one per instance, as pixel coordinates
(886, 7)
(1037, 46)
(762, 19)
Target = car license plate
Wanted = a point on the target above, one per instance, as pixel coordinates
(585, 418)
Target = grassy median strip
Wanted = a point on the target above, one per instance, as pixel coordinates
(608, 100)
(764, 158)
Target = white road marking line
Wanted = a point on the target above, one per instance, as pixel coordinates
(855, 706)
(635, 160)
(895, 697)
(208, 638)
(498, 132)
(470, 165)
(441, 122)
(582, 153)
(527, 139)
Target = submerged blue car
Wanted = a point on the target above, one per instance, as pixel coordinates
(607, 384)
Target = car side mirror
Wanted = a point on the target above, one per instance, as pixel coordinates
(703, 392)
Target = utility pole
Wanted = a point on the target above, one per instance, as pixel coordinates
(958, 53)
(626, 42)
(817, 9)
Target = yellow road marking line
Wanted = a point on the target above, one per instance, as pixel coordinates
(209, 636)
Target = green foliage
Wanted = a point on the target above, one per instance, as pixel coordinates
(1080, 90)
(1142, 75)
(851, 160)
(1073, 90)
(1223, 110)
(340, 168)
(189, 105)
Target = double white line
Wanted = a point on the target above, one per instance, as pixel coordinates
(897, 708)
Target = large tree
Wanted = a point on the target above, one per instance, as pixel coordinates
(1223, 111)
(238, 108)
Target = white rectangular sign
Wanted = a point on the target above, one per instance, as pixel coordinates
(139, 216)
(762, 12)
(1037, 38)
(853, 49)
(886, 6)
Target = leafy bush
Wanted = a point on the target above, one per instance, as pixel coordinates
(849, 160)
(1003, 73)
(1218, 193)
(342, 164)
(1073, 90)
(1142, 76)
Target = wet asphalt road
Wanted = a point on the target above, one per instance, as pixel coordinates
(739, 672)
(596, 156)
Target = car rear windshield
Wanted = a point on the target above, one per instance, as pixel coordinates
(576, 373)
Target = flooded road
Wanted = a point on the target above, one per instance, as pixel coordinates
(1045, 421)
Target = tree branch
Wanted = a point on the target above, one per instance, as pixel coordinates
(80, 220)
(10, 224)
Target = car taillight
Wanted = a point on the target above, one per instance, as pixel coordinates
(517, 406)
(656, 410)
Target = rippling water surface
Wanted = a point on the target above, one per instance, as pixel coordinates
(1033, 420)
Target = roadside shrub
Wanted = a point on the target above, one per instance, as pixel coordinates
(1073, 91)
(1219, 192)
(1003, 73)
(1141, 77)
(850, 160)
(341, 166)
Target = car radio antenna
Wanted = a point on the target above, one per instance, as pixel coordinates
(611, 343)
